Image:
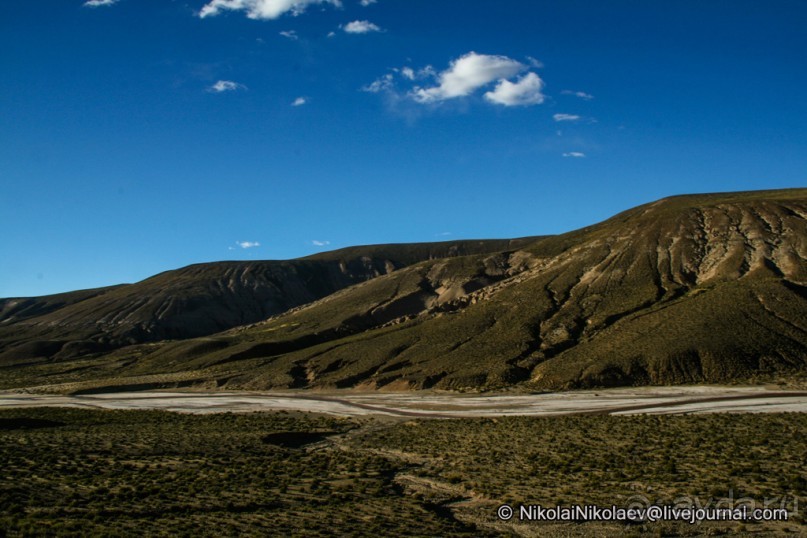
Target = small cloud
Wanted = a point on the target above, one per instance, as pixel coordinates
(565, 117)
(534, 62)
(427, 72)
(331, 34)
(226, 86)
(300, 101)
(320, 243)
(360, 27)
(525, 92)
(410, 74)
(262, 9)
(575, 154)
(366, 3)
(380, 84)
(443, 234)
(99, 3)
(290, 34)
(247, 244)
(582, 95)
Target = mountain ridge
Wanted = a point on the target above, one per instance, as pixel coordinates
(694, 288)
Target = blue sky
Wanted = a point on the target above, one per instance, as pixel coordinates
(144, 135)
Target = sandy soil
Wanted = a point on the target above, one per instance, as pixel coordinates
(650, 400)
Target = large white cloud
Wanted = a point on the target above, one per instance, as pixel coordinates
(526, 91)
(467, 74)
(261, 9)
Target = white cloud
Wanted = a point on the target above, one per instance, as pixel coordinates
(360, 27)
(427, 72)
(576, 154)
(467, 74)
(464, 76)
(331, 34)
(366, 3)
(247, 244)
(565, 117)
(526, 91)
(534, 62)
(410, 74)
(380, 84)
(99, 3)
(262, 9)
(290, 34)
(226, 86)
(300, 101)
(320, 243)
(581, 95)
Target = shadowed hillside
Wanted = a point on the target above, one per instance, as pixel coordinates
(687, 289)
(197, 300)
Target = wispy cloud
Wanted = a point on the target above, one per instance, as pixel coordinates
(366, 3)
(524, 92)
(443, 234)
(534, 62)
(581, 95)
(320, 243)
(360, 27)
(565, 117)
(262, 9)
(248, 244)
(99, 3)
(290, 34)
(383, 83)
(575, 154)
(226, 86)
(410, 74)
(386, 82)
(300, 101)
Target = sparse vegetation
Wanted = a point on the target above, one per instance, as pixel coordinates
(70, 472)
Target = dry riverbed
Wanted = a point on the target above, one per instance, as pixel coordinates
(645, 400)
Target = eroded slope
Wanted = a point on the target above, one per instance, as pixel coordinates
(687, 289)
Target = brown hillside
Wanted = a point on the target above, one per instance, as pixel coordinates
(704, 288)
